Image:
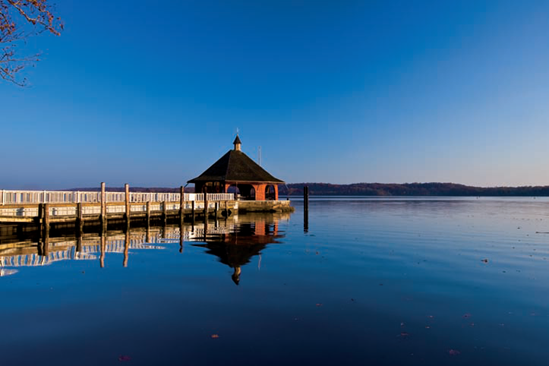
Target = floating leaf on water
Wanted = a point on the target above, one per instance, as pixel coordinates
(467, 315)
(215, 336)
(484, 260)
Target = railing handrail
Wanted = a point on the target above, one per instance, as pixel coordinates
(36, 197)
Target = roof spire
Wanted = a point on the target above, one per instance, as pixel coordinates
(237, 143)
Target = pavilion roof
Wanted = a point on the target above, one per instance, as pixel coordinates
(235, 166)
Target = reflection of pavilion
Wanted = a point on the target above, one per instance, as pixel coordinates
(248, 238)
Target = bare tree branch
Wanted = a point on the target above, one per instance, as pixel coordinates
(19, 20)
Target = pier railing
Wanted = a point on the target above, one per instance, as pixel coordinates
(9, 197)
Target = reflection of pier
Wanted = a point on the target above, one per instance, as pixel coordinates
(242, 237)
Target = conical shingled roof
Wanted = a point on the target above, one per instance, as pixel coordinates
(235, 166)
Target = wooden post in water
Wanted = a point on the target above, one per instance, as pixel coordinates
(306, 208)
(216, 209)
(164, 213)
(226, 211)
(103, 208)
(44, 213)
(193, 210)
(46, 219)
(182, 205)
(128, 205)
(79, 218)
(148, 213)
(205, 205)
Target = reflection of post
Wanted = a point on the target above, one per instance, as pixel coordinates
(43, 246)
(103, 244)
(148, 213)
(205, 227)
(181, 237)
(306, 208)
(126, 247)
(79, 243)
(236, 275)
(148, 235)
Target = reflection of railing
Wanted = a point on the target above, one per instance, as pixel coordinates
(8, 197)
(88, 250)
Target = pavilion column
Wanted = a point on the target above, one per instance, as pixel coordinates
(259, 191)
(276, 191)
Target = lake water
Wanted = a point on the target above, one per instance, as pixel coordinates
(421, 281)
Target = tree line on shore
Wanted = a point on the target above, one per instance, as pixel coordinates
(376, 189)
(410, 189)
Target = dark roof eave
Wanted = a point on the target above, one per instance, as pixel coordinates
(197, 180)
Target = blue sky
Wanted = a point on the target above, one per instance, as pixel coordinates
(332, 91)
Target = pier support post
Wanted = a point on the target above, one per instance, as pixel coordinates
(205, 205)
(164, 213)
(216, 209)
(148, 213)
(103, 208)
(44, 212)
(193, 210)
(79, 218)
(182, 205)
(128, 206)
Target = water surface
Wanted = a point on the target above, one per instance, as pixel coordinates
(421, 281)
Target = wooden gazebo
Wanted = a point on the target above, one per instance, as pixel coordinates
(235, 171)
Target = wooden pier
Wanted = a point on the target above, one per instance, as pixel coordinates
(79, 208)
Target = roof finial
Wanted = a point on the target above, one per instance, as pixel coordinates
(237, 143)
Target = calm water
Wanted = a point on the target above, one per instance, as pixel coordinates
(372, 282)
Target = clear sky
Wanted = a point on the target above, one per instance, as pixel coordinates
(151, 93)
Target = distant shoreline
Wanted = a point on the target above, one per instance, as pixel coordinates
(377, 190)
(413, 190)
